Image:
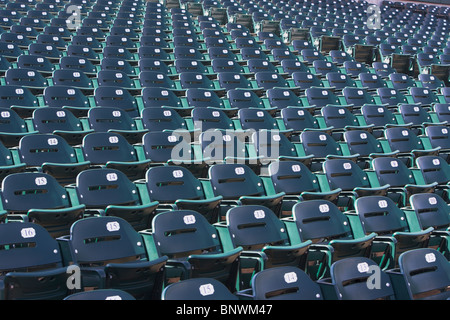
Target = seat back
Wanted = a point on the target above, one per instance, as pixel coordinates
(268, 80)
(320, 219)
(412, 113)
(426, 271)
(161, 146)
(381, 215)
(344, 174)
(201, 97)
(423, 95)
(338, 117)
(340, 80)
(298, 119)
(98, 240)
(233, 80)
(321, 97)
(319, 144)
(240, 98)
(256, 119)
(160, 119)
(282, 98)
(402, 139)
(378, 115)
(392, 171)
(179, 233)
(357, 96)
(11, 122)
(34, 249)
(197, 289)
(98, 188)
(362, 142)
(72, 78)
(156, 79)
(78, 63)
(292, 177)
(36, 149)
(110, 78)
(33, 266)
(351, 280)
(305, 80)
(431, 210)
(211, 118)
(11, 95)
(65, 96)
(234, 180)
(29, 190)
(102, 119)
(155, 97)
(434, 169)
(439, 136)
(116, 97)
(101, 147)
(253, 227)
(25, 77)
(47, 120)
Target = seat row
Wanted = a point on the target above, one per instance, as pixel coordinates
(199, 94)
(159, 262)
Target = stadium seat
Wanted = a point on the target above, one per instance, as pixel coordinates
(239, 184)
(401, 81)
(79, 63)
(18, 98)
(100, 294)
(109, 192)
(403, 182)
(247, 99)
(112, 150)
(350, 280)
(120, 261)
(199, 289)
(161, 119)
(177, 188)
(28, 78)
(407, 143)
(39, 198)
(427, 273)
(193, 247)
(205, 118)
(115, 120)
(61, 122)
(13, 128)
(116, 97)
(264, 239)
(432, 211)
(67, 97)
(282, 283)
(51, 154)
(395, 230)
(340, 80)
(155, 97)
(322, 220)
(351, 179)
(34, 270)
(38, 63)
(423, 96)
(320, 145)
